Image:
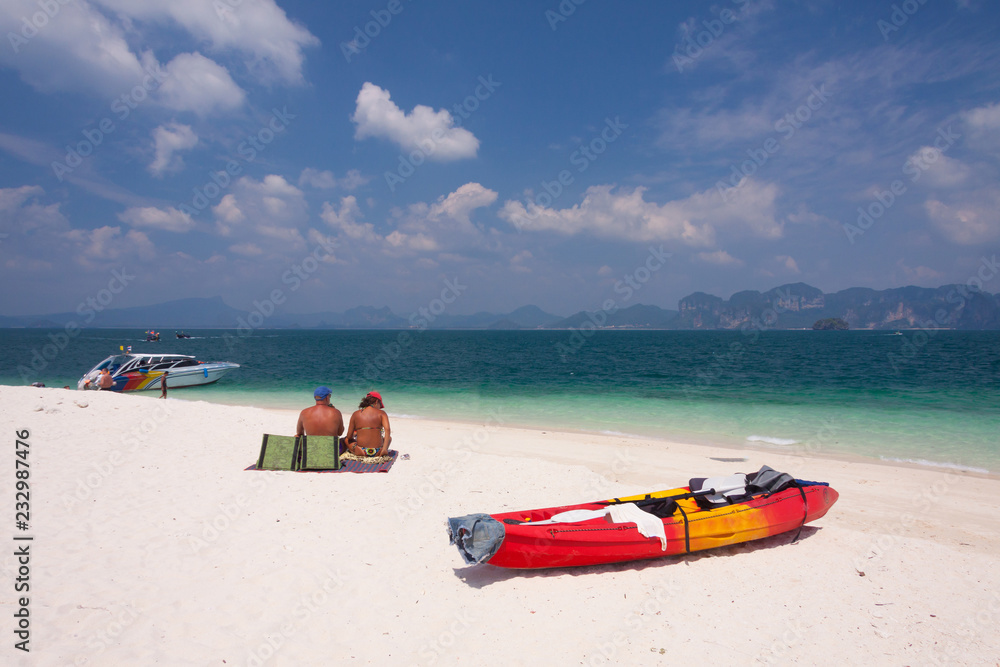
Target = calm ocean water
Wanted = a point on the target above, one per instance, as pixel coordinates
(926, 397)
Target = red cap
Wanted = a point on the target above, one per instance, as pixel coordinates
(375, 394)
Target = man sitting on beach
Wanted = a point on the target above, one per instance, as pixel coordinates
(322, 418)
(368, 431)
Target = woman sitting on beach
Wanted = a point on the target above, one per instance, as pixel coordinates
(368, 431)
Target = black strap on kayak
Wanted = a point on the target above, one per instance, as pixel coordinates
(687, 533)
(805, 512)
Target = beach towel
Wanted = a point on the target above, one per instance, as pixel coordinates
(648, 524)
(349, 463)
(319, 452)
(278, 452)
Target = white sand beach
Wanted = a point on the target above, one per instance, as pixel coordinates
(152, 545)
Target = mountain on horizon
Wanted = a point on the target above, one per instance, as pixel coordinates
(189, 313)
(799, 306)
(790, 306)
(638, 316)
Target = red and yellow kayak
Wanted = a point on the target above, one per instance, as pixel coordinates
(515, 540)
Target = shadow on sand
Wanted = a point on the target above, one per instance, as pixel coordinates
(481, 576)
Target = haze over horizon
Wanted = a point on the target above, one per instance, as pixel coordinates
(385, 152)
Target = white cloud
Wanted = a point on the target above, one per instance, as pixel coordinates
(196, 83)
(85, 47)
(280, 206)
(273, 185)
(168, 219)
(459, 204)
(625, 214)
(976, 219)
(325, 180)
(42, 238)
(443, 225)
(328, 243)
(788, 263)
(353, 180)
(227, 215)
(107, 245)
(727, 43)
(918, 273)
(715, 121)
(418, 242)
(258, 28)
(20, 213)
(246, 249)
(714, 128)
(803, 216)
(345, 220)
(432, 132)
(78, 49)
(43, 155)
(168, 139)
(12, 198)
(277, 196)
(986, 119)
(982, 125)
(271, 208)
(933, 168)
(719, 258)
(518, 263)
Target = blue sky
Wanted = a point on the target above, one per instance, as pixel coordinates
(363, 153)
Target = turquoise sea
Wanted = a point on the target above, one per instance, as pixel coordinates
(931, 398)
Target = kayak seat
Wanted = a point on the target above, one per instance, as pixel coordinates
(769, 480)
(732, 489)
(740, 487)
(663, 508)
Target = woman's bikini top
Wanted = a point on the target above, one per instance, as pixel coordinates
(367, 428)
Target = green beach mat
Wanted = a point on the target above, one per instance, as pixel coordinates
(278, 452)
(319, 452)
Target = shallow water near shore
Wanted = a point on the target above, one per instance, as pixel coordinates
(928, 398)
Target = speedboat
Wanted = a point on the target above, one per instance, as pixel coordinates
(137, 372)
(181, 334)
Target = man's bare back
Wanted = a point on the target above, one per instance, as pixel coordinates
(322, 418)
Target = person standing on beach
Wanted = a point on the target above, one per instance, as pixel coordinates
(322, 418)
(163, 384)
(368, 432)
(106, 381)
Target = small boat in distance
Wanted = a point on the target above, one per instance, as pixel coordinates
(181, 334)
(138, 371)
(152, 336)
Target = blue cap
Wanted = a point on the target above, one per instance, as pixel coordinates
(322, 392)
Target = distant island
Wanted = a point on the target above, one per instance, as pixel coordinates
(792, 306)
(830, 324)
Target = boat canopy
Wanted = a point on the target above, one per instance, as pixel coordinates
(124, 363)
(112, 362)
